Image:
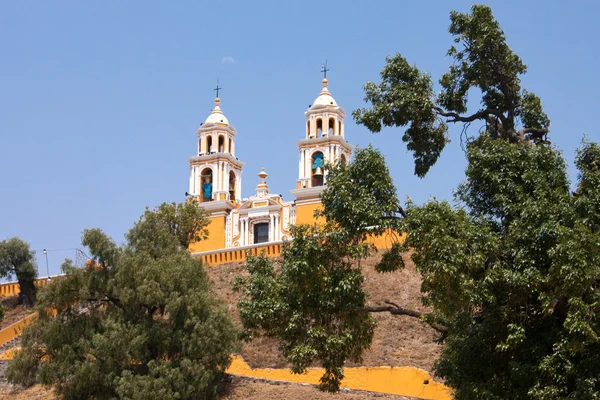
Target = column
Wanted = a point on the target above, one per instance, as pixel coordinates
(301, 165)
(243, 231)
(307, 164)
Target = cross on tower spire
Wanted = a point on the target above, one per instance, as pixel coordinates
(324, 70)
(218, 88)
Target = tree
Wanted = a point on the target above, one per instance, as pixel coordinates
(482, 60)
(311, 300)
(511, 272)
(17, 259)
(138, 322)
(309, 305)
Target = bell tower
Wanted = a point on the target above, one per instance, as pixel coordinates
(215, 172)
(323, 143)
(324, 140)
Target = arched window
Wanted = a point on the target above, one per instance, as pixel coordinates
(230, 148)
(221, 147)
(317, 170)
(206, 183)
(231, 186)
(332, 127)
(319, 127)
(209, 145)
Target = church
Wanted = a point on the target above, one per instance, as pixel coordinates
(216, 177)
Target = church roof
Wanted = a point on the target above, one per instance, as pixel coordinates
(324, 99)
(217, 117)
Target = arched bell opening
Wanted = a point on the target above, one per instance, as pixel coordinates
(317, 171)
(319, 127)
(229, 149)
(339, 128)
(343, 160)
(231, 186)
(332, 127)
(307, 129)
(221, 147)
(206, 184)
(209, 145)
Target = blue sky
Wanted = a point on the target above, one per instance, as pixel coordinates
(100, 101)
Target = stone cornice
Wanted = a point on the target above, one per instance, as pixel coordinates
(324, 140)
(307, 193)
(205, 128)
(321, 109)
(216, 157)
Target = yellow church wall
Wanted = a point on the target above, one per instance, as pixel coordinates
(305, 214)
(216, 236)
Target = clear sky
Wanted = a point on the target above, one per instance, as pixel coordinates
(100, 101)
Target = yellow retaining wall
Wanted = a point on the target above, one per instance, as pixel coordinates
(218, 257)
(12, 331)
(403, 381)
(224, 256)
(12, 288)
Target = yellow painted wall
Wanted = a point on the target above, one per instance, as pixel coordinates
(12, 331)
(305, 214)
(216, 237)
(12, 288)
(403, 381)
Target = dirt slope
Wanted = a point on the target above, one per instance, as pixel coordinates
(398, 341)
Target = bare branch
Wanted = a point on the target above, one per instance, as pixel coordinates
(395, 309)
(537, 132)
(478, 115)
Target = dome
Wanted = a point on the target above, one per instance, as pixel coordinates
(324, 98)
(217, 117)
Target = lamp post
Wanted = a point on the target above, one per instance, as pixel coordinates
(47, 270)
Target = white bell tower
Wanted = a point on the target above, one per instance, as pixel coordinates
(324, 140)
(215, 172)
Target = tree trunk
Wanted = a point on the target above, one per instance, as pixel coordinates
(27, 294)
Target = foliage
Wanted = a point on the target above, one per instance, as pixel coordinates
(17, 259)
(310, 302)
(186, 221)
(481, 60)
(137, 323)
(515, 274)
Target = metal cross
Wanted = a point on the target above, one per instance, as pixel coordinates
(324, 70)
(218, 88)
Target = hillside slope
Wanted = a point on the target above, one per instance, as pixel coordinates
(398, 340)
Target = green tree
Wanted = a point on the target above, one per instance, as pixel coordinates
(511, 272)
(17, 259)
(311, 300)
(138, 322)
(481, 60)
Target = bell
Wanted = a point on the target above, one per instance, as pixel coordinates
(318, 171)
(231, 187)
